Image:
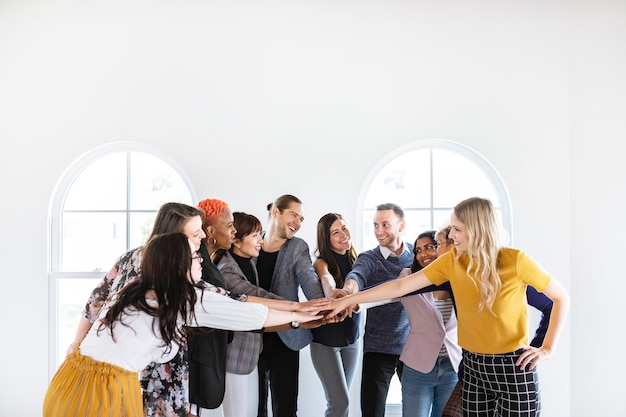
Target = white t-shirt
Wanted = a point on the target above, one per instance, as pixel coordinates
(137, 343)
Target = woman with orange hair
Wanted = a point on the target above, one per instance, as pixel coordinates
(218, 227)
(208, 350)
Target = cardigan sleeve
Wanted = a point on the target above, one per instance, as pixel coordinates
(544, 305)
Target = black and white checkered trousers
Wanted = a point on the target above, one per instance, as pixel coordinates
(494, 387)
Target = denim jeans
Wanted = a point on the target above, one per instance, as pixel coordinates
(422, 391)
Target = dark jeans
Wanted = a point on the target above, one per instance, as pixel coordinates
(278, 371)
(378, 369)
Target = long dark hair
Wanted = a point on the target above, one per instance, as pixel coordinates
(165, 264)
(431, 234)
(325, 251)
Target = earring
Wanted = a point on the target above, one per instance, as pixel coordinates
(214, 241)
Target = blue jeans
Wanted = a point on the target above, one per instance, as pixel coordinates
(335, 367)
(422, 391)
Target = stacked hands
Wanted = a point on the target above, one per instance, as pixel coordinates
(311, 314)
(339, 307)
(321, 311)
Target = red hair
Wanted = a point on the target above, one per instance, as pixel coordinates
(213, 208)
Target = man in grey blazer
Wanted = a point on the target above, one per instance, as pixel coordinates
(284, 266)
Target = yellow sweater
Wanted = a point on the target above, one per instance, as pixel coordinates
(506, 329)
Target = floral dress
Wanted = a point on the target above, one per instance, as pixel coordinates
(164, 385)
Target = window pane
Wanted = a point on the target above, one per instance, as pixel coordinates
(72, 296)
(367, 230)
(404, 181)
(417, 221)
(441, 218)
(92, 241)
(456, 178)
(100, 186)
(154, 182)
(140, 228)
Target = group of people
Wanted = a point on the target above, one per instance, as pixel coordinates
(205, 318)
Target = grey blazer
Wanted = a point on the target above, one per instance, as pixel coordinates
(244, 350)
(294, 270)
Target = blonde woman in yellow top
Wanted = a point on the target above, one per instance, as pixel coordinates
(489, 283)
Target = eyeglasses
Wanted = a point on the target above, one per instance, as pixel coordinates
(447, 242)
(197, 256)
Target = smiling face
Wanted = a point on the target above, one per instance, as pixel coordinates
(193, 230)
(388, 228)
(458, 234)
(195, 270)
(249, 246)
(288, 221)
(425, 251)
(223, 230)
(340, 238)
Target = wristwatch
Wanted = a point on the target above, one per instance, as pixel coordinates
(295, 325)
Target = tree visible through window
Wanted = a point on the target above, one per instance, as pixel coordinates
(427, 179)
(103, 206)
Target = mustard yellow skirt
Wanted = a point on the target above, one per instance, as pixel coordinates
(85, 387)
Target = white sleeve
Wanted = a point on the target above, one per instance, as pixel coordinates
(221, 312)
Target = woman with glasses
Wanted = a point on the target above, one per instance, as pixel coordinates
(164, 385)
(144, 323)
(431, 354)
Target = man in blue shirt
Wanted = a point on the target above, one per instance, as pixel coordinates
(386, 326)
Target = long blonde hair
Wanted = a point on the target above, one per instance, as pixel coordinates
(483, 232)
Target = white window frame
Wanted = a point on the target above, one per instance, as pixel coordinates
(481, 162)
(395, 409)
(55, 229)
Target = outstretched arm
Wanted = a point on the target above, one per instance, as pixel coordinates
(278, 317)
(213, 309)
(286, 305)
(329, 286)
(388, 290)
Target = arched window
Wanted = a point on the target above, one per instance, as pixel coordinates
(427, 179)
(103, 205)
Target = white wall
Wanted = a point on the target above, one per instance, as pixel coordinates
(255, 99)
(597, 201)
